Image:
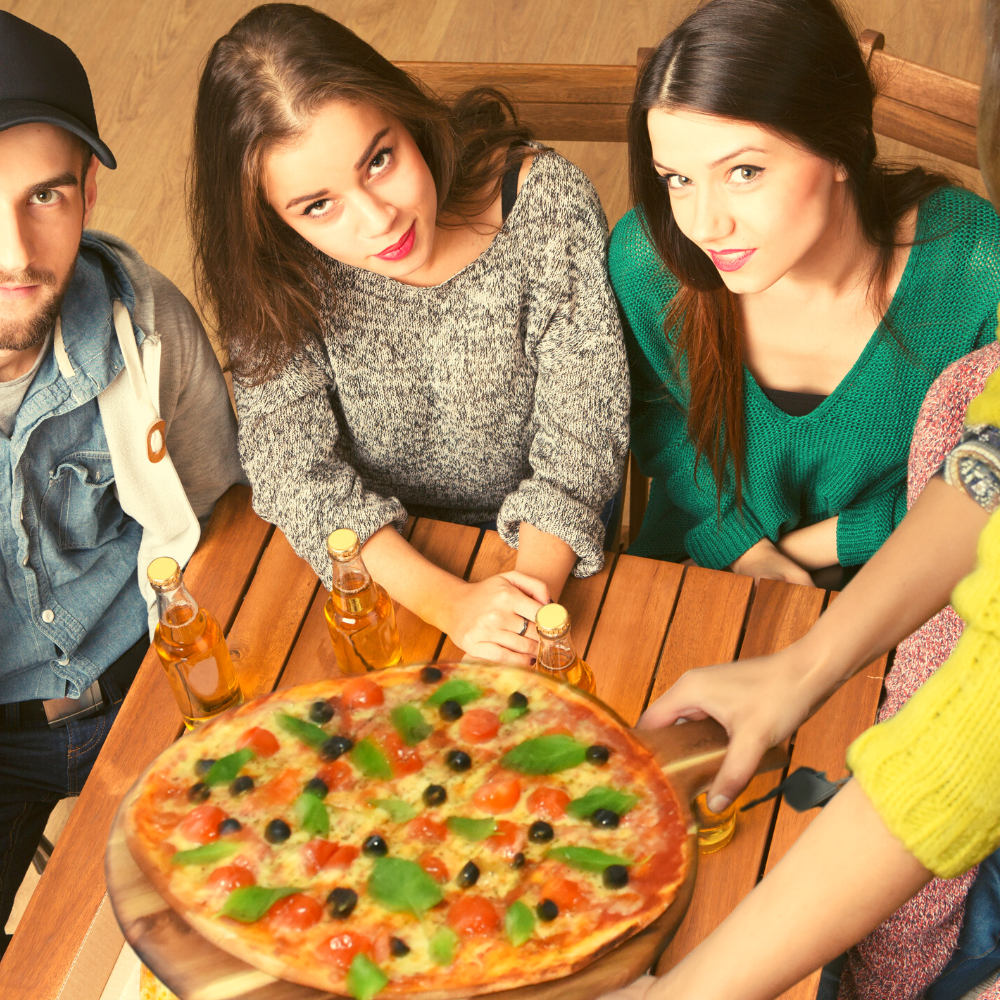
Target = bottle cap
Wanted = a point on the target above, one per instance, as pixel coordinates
(343, 545)
(163, 573)
(552, 621)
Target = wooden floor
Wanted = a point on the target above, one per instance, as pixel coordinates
(144, 56)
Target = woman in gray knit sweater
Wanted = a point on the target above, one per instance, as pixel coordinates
(400, 343)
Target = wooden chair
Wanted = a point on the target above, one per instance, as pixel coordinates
(917, 105)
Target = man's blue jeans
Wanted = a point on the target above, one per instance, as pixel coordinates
(38, 767)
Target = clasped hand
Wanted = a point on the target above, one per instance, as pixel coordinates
(485, 619)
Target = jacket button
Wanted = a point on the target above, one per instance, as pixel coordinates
(48, 616)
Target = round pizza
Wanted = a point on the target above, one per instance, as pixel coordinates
(449, 830)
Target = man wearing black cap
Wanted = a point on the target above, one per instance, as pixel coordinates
(116, 439)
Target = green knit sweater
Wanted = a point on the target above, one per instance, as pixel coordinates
(847, 457)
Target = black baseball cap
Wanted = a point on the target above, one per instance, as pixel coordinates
(41, 80)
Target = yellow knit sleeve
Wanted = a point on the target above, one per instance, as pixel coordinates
(985, 408)
(933, 770)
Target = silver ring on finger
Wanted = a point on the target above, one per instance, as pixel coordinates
(524, 627)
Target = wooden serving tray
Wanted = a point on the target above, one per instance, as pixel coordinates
(194, 969)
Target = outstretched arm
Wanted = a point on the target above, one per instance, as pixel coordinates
(762, 701)
(839, 881)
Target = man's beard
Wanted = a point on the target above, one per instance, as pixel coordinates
(24, 334)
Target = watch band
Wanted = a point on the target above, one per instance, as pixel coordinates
(973, 465)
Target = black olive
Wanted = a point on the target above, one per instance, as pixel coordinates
(429, 675)
(469, 875)
(277, 831)
(458, 760)
(518, 860)
(375, 846)
(241, 784)
(598, 754)
(517, 700)
(317, 787)
(547, 910)
(320, 711)
(435, 795)
(540, 832)
(397, 946)
(615, 877)
(450, 711)
(199, 792)
(606, 818)
(342, 902)
(203, 766)
(335, 747)
(230, 825)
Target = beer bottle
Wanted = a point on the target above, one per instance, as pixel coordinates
(556, 656)
(191, 648)
(359, 612)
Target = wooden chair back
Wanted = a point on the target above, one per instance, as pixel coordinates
(920, 106)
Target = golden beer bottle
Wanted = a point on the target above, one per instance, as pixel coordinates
(556, 656)
(359, 612)
(191, 648)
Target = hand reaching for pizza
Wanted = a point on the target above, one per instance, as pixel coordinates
(759, 702)
(485, 619)
(637, 990)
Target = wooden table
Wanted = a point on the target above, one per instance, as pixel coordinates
(640, 623)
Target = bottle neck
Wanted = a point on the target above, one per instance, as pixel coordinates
(352, 592)
(178, 610)
(556, 655)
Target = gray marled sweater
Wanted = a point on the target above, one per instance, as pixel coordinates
(502, 393)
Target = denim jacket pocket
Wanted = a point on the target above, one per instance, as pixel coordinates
(79, 506)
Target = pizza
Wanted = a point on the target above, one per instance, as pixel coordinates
(447, 830)
(150, 988)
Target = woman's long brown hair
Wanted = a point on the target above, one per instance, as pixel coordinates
(794, 67)
(262, 84)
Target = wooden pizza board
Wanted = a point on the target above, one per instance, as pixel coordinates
(194, 969)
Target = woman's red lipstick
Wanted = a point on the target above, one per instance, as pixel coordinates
(402, 247)
(731, 260)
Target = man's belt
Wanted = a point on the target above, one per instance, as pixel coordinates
(57, 712)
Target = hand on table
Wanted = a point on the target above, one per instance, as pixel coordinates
(759, 702)
(764, 561)
(486, 617)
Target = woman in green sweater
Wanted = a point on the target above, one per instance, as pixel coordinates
(788, 300)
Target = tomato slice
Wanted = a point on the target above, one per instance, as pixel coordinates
(402, 759)
(498, 796)
(263, 742)
(429, 830)
(564, 893)
(202, 824)
(231, 877)
(470, 916)
(280, 790)
(479, 725)
(361, 692)
(296, 912)
(508, 839)
(337, 775)
(316, 854)
(344, 856)
(548, 802)
(381, 946)
(434, 866)
(340, 949)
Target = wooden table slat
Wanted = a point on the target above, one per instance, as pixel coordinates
(629, 635)
(706, 626)
(821, 744)
(272, 614)
(148, 722)
(780, 614)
